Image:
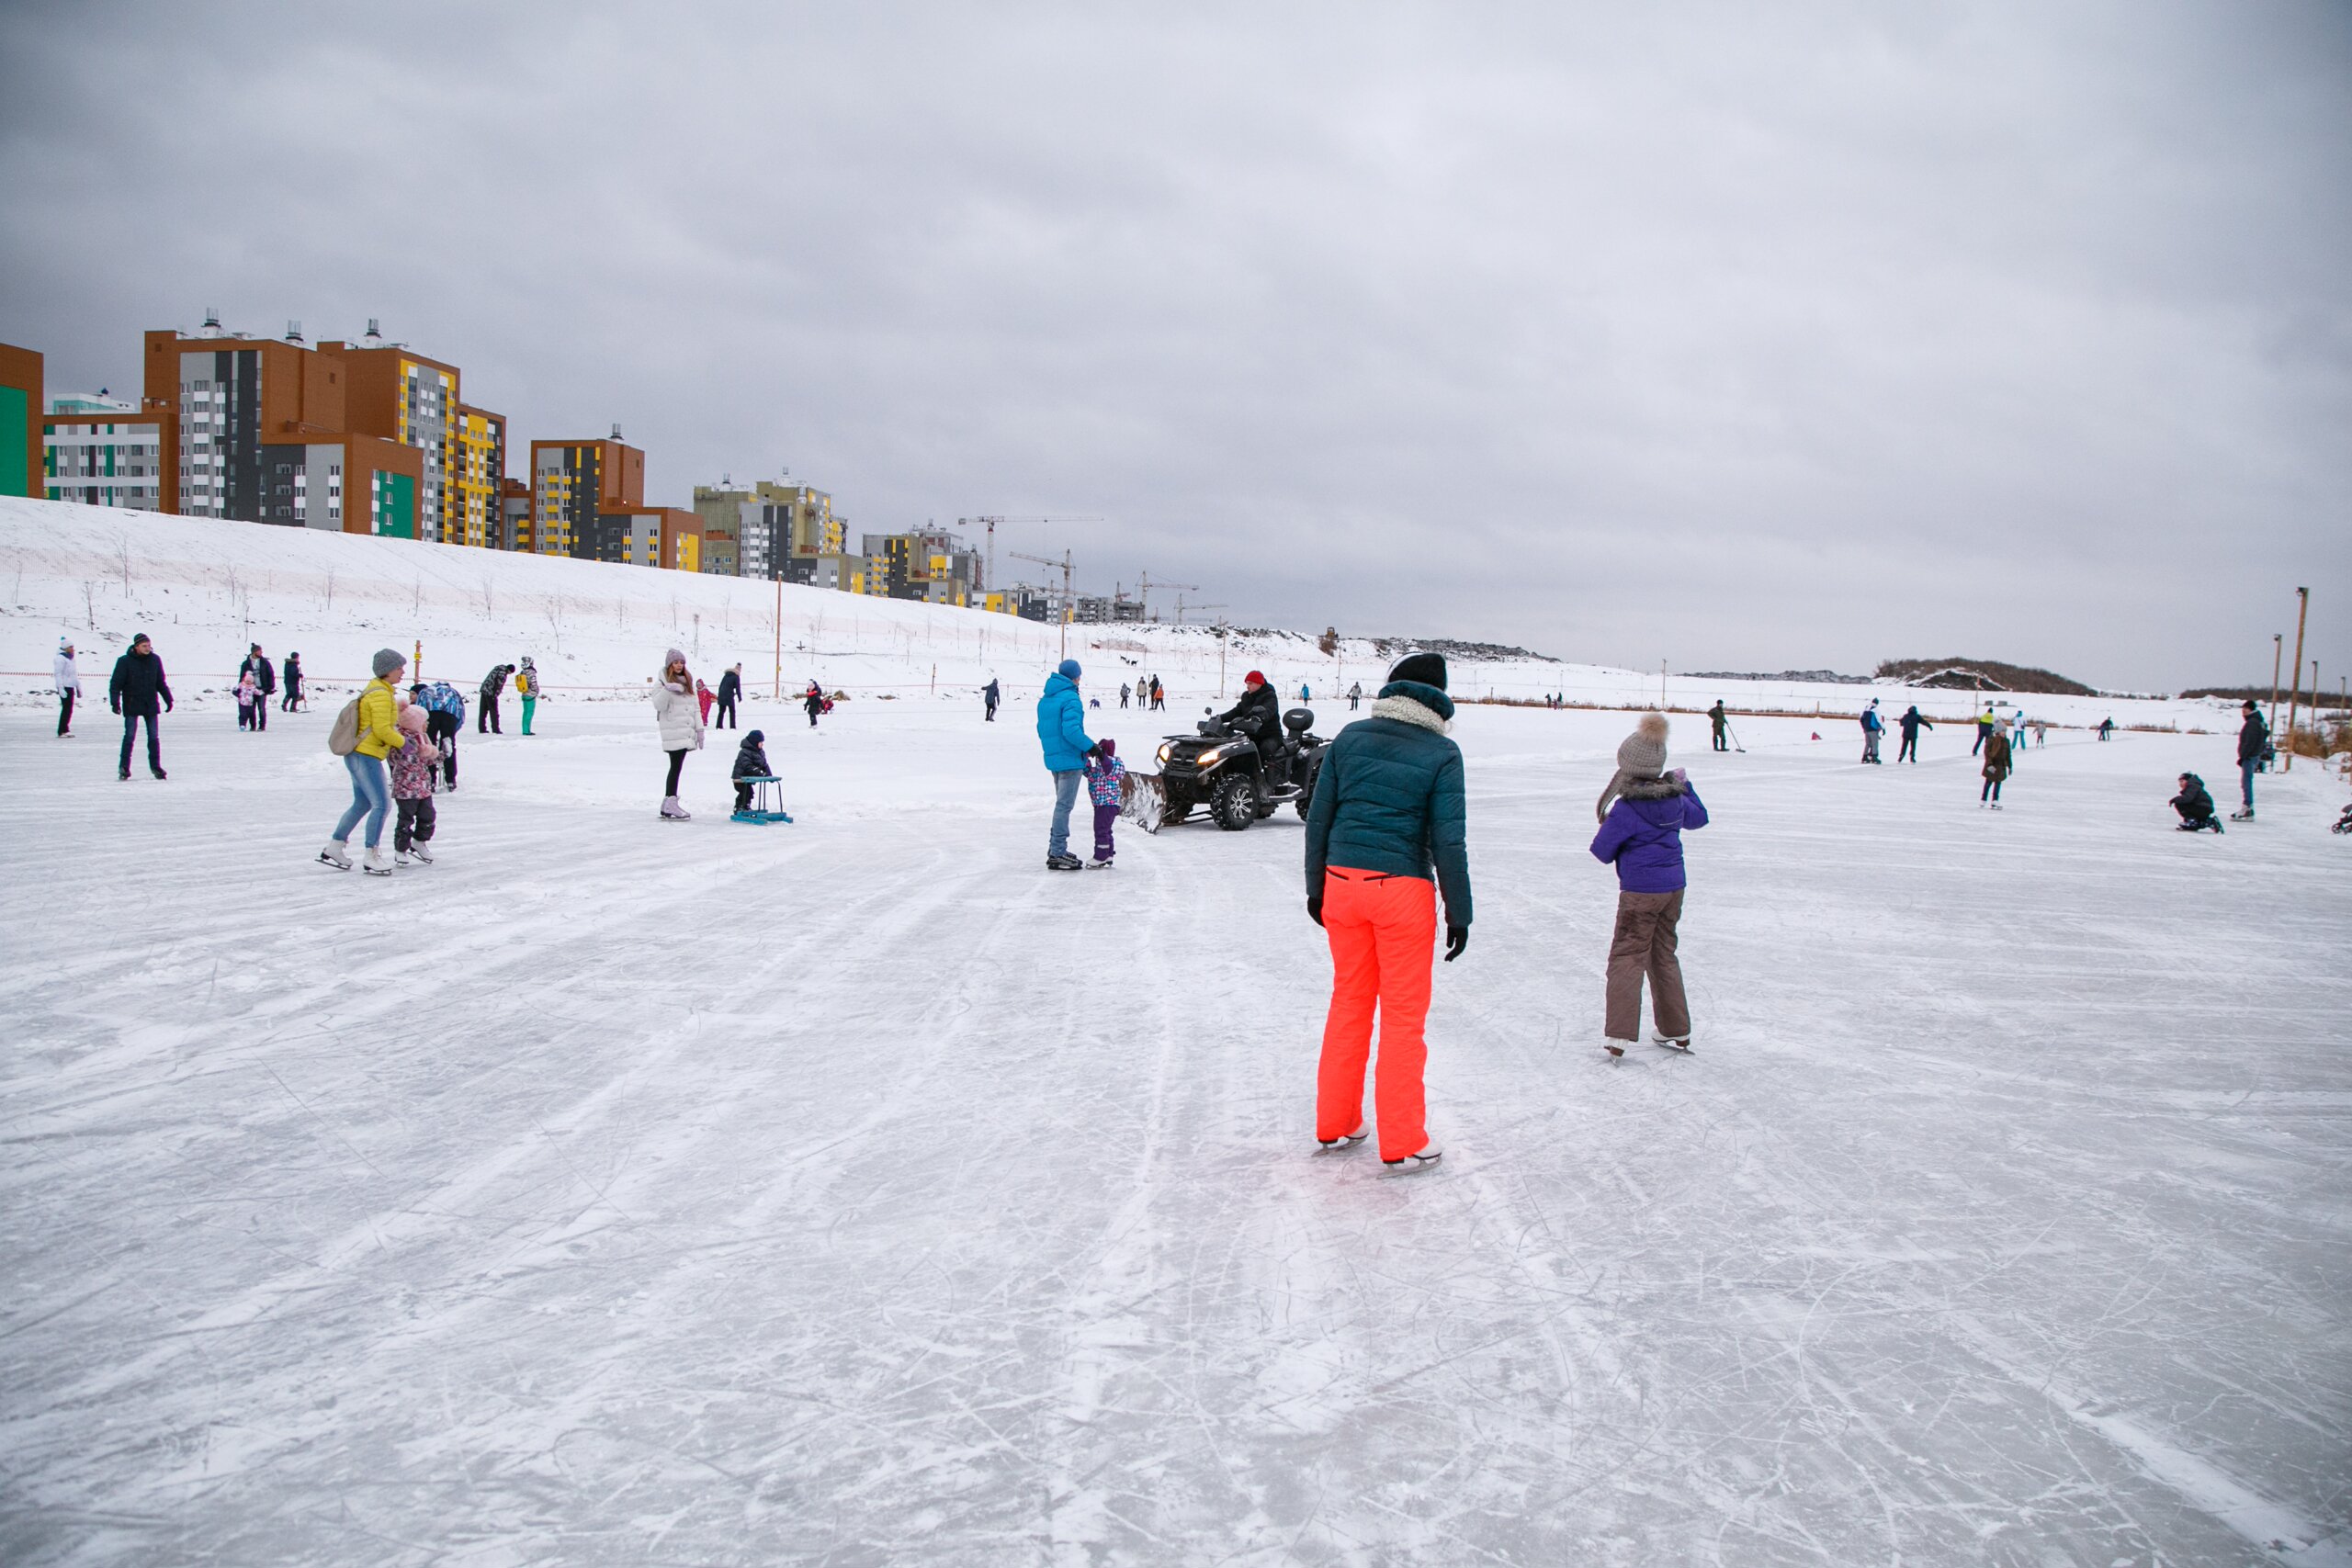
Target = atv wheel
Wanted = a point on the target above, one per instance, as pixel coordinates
(1234, 804)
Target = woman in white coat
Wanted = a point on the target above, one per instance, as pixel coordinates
(680, 717)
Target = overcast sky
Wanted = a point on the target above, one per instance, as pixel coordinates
(1744, 337)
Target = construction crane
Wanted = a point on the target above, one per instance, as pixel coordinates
(994, 520)
(1143, 595)
(1066, 565)
(1180, 600)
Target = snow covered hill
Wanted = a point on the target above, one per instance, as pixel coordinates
(204, 590)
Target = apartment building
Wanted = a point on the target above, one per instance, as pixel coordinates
(927, 564)
(667, 536)
(345, 483)
(770, 524)
(514, 513)
(477, 480)
(227, 396)
(575, 482)
(21, 420)
(102, 450)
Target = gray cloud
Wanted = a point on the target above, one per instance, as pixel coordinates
(1729, 337)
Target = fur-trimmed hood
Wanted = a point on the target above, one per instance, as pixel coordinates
(1411, 702)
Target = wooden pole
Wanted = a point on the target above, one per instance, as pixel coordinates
(2295, 689)
(2277, 652)
(778, 694)
(416, 663)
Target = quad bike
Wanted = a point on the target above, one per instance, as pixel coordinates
(1221, 767)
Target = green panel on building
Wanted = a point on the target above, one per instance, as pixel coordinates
(395, 505)
(15, 412)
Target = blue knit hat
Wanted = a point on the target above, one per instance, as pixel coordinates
(1068, 667)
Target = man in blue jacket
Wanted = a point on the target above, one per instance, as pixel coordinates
(1061, 730)
(1385, 831)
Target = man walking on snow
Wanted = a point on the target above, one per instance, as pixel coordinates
(1061, 731)
(138, 684)
(731, 690)
(2254, 738)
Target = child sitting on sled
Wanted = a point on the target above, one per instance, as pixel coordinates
(751, 762)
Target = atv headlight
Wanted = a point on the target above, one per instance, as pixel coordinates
(1165, 749)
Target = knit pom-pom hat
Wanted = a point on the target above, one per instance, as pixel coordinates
(1643, 755)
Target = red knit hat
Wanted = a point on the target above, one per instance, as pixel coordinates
(1253, 678)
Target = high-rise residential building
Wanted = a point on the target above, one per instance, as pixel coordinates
(228, 396)
(20, 419)
(514, 513)
(666, 536)
(477, 478)
(928, 564)
(574, 481)
(351, 484)
(397, 394)
(775, 529)
(102, 450)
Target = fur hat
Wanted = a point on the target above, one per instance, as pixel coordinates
(1642, 754)
(387, 660)
(1429, 668)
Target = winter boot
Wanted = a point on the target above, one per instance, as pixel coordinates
(375, 865)
(673, 811)
(421, 854)
(336, 854)
(1347, 1140)
(1428, 1155)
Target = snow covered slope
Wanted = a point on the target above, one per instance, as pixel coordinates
(204, 590)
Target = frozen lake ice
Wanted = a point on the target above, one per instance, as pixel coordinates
(621, 1193)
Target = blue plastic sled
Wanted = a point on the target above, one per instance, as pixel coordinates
(762, 811)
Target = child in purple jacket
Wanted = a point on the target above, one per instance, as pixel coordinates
(1640, 834)
(1106, 786)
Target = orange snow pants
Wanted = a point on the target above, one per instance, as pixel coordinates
(1383, 934)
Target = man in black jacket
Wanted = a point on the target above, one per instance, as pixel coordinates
(486, 719)
(2254, 740)
(1911, 723)
(138, 682)
(730, 687)
(293, 682)
(264, 683)
(1259, 705)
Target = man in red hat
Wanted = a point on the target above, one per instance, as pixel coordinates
(1257, 715)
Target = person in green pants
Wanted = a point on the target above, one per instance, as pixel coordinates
(526, 686)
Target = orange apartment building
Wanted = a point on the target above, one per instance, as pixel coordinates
(20, 411)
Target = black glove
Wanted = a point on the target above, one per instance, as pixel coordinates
(1094, 753)
(1315, 907)
(1456, 939)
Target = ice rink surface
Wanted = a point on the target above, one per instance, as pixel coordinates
(855, 1193)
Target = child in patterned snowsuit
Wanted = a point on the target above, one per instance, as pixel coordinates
(412, 773)
(1106, 785)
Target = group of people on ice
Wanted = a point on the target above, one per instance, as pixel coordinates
(1146, 692)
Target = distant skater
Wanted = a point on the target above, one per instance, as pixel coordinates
(1719, 727)
(138, 684)
(293, 686)
(264, 683)
(526, 686)
(1385, 833)
(731, 690)
(1983, 731)
(1911, 723)
(445, 718)
(2106, 729)
(1873, 727)
(990, 695)
(1123, 693)
(66, 677)
(1355, 696)
(1996, 764)
(813, 699)
(1645, 811)
(2254, 740)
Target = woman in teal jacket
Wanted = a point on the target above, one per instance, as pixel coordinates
(1387, 830)
(1061, 730)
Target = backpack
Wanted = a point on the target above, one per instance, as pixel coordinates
(344, 738)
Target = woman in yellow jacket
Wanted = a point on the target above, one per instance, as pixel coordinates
(371, 793)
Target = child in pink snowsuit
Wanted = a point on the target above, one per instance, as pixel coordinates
(703, 695)
(1106, 779)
